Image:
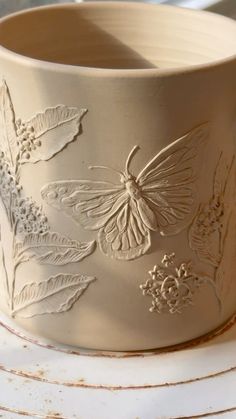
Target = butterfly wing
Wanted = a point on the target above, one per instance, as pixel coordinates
(105, 207)
(89, 203)
(168, 182)
(125, 236)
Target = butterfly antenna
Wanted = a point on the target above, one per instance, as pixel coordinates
(129, 158)
(107, 168)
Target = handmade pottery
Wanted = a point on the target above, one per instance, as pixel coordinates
(117, 173)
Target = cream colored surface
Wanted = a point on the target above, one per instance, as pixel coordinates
(120, 37)
(145, 106)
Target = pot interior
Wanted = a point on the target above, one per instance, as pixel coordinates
(119, 35)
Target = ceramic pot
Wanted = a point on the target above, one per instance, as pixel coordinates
(118, 173)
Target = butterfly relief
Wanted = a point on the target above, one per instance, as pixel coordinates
(161, 198)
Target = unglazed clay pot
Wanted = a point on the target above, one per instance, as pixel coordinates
(118, 225)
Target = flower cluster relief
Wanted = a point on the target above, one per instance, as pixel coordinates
(32, 239)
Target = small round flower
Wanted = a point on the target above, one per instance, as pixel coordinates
(38, 143)
(26, 155)
(29, 217)
(8, 183)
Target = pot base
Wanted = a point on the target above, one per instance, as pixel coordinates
(32, 369)
(10, 325)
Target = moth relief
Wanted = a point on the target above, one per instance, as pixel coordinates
(161, 198)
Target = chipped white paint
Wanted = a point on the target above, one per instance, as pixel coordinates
(41, 381)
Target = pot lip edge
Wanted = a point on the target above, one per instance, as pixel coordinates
(98, 72)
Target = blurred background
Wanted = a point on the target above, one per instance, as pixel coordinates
(225, 7)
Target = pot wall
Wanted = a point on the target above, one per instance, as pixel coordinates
(87, 292)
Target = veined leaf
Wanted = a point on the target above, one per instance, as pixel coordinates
(52, 248)
(54, 128)
(7, 126)
(9, 188)
(225, 272)
(55, 295)
(208, 228)
(204, 243)
(3, 270)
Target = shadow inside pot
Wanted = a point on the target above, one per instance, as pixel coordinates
(68, 36)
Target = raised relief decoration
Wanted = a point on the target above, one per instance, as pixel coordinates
(173, 286)
(212, 234)
(161, 198)
(3, 270)
(55, 295)
(40, 138)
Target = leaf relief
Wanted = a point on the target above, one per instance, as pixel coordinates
(224, 275)
(9, 142)
(39, 138)
(3, 269)
(47, 133)
(52, 248)
(208, 230)
(10, 188)
(55, 295)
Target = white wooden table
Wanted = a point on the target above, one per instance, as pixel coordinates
(43, 382)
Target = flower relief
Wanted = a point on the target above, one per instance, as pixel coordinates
(26, 140)
(173, 286)
(38, 139)
(28, 217)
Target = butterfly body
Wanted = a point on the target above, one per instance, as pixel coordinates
(161, 198)
(132, 189)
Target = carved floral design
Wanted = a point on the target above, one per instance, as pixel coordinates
(161, 198)
(173, 286)
(28, 217)
(210, 234)
(40, 138)
(9, 186)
